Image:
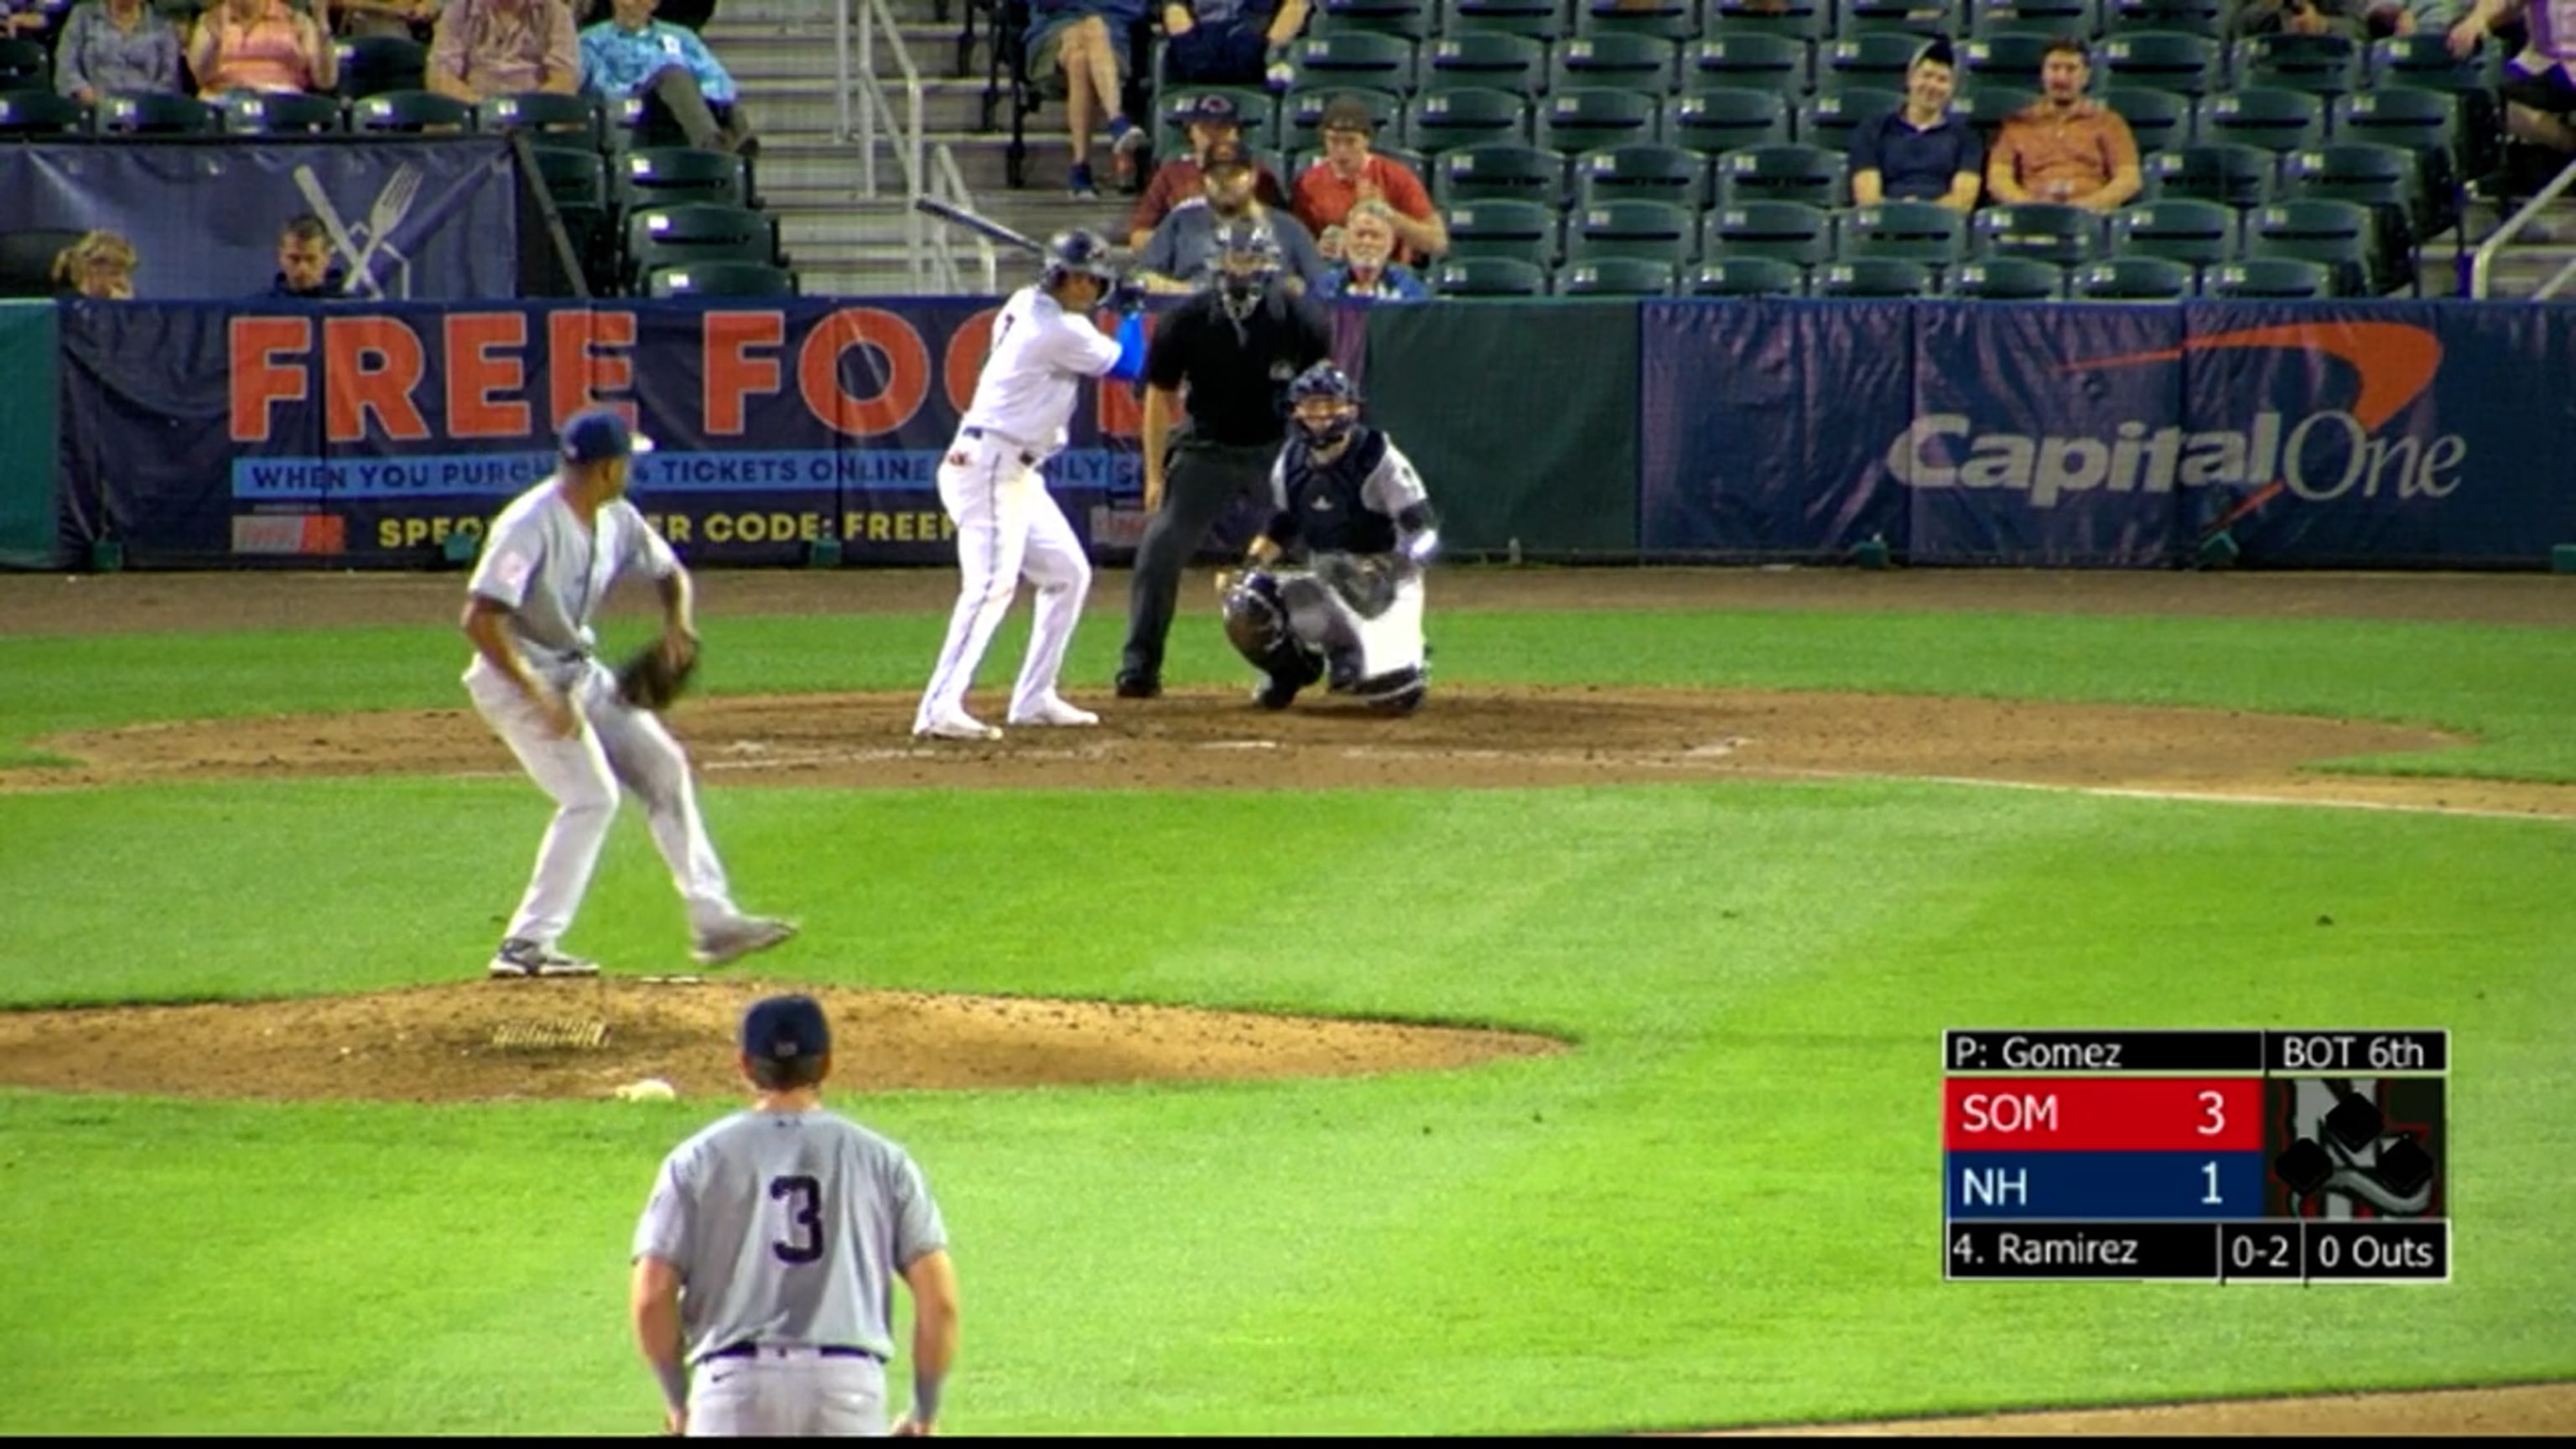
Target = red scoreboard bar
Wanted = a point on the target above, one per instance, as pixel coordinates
(2253, 1155)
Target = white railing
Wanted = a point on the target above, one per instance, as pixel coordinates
(860, 97)
(949, 186)
(2482, 265)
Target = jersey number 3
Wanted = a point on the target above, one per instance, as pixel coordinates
(804, 1199)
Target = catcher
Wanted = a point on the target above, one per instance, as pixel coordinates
(1352, 512)
(587, 735)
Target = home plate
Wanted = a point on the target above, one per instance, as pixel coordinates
(1716, 751)
(1240, 745)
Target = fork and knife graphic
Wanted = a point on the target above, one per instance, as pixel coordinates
(371, 238)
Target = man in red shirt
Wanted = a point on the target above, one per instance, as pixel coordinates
(1214, 121)
(1350, 173)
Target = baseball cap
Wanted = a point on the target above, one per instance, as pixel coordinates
(1936, 51)
(1215, 109)
(600, 434)
(1347, 113)
(786, 1029)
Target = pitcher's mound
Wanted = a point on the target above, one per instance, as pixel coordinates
(499, 1040)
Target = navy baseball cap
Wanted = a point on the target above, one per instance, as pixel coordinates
(786, 1029)
(600, 434)
(1216, 108)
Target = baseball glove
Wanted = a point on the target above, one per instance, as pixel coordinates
(648, 680)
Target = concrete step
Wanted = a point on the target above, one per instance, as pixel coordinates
(817, 14)
(763, 49)
(800, 105)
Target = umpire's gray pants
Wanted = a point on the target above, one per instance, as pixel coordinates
(788, 1393)
(1203, 481)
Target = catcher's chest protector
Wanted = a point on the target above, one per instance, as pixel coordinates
(1326, 497)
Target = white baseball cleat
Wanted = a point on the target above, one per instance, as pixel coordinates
(736, 939)
(1054, 711)
(518, 958)
(956, 727)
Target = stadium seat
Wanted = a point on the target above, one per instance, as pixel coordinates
(697, 232)
(2424, 61)
(391, 111)
(281, 113)
(1535, 19)
(2340, 235)
(1644, 171)
(1489, 277)
(1615, 277)
(1714, 122)
(1809, 20)
(373, 65)
(2387, 179)
(2321, 65)
(1259, 115)
(1990, 104)
(1874, 277)
(2275, 120)
(2132, 279)
(1655, 230)
(1499, 171)
(1438, 120)
(1372, 59)
(2007, 279)
(2225, 172)
(721, 279)
(1632, 62)
(1783, 231)
(574, 118)
(2425, 122)
(2043, 231)
(2155, 60)
(1781, 64)
(154, 114)
(1576, 121)
(1810, 175)
(2269, 278)
(24, 65)
(2160, 120)
(1916, 20)
(1412, 19)
(673, 175)
(1914, 231)
(1520, 229)
(1829, 120)
(1300, 125)
(1673, 20)
(1745, 277)
(2010, 59)
(2205, 18)
(40, 113)
(1866, 63)
(2079, 18)
(2199, 234)
(1501, 62)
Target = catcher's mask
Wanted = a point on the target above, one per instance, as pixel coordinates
(1247, 258)
(1326, 403)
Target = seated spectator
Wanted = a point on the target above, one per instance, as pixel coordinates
(112, 47)
(633, 54)
(2405, 17)
(100, 266)
(1351, 173)
(487, 48)
(1367, 271)
(2243, 18)
(1231, 42)
(2540, 83)
(1182, 254)
(24, 19)
(2064, 147)
(1077, 49)
(1213, 121)
(304, 267)
(1920, 151)
(406, 19)
(262, 45)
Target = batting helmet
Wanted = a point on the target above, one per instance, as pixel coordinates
(1079, 253)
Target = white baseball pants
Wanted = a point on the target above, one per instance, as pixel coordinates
(788, 1393)
(618, 746)
(1008, 528)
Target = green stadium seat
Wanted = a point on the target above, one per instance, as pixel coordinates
(1714, 122)
(2009, 59)
(409, 111)
(1989, 104)
(1781, 64)
(1918, 20)
(2229, 173)
(2424, 62)
(2426, 123)
(154, 114)
(1673, 20)
(1437, 120)
(25, 65)
(1644, 171)
(1514, 63)
(1370, 59)
(2154, 60)
(1301, 116)
(1535, 19)
(2045, 231)
(2322, 65)
(721, 279)
(2387, 179)
(1874, 277)
(1633, 62)
(1412, 19)
(2204, 18)
(1576, 121)
(372, 65)
(1615, 276)
(40, 113)
(697, 232)
(2199, 234)
(1499, 171)
(1784, 231)
(2160, 120)
(2275, 120)
(545, 113)
(1809, 20)
(280, 113)
(2132, 279)
(1520, 229)
(1810, 175)
(1478, 276)
(2269, 278)
(672, 175)
(1655, 230)
(2341, 235)
(1745, 277)
(2079, 18)
(1915, 231)
(2006, 279)
(1829, 120)
(1865, 63)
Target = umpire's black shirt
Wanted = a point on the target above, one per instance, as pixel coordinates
(1238, 372)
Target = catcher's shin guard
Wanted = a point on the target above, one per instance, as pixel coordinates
(1256, 624)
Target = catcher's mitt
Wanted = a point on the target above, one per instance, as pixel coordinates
(649, 680)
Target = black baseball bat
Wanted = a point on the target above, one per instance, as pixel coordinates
(932, 206)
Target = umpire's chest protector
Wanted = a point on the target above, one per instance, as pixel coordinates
(1328, 499)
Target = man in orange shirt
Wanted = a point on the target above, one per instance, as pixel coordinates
(1350, 174)
(2065, 147)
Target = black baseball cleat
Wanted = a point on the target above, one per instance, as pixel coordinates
(1132, 685)
(1274, 693)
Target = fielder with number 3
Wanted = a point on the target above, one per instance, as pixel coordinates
(765, 1260)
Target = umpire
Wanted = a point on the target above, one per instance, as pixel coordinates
(1237, 345)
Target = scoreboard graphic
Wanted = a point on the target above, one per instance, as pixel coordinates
(2215, 1156)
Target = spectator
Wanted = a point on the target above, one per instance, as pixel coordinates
(487, 48)
(691, 15)
(1077, 49)
(113, 46)
(23, 19)
(1230, 42)
(1367, 271)
(2405, 17)
(100, 266)
(304, 268)
(1920, 151)
(672, 69)
(407, 19)
(1213, 121)
(2245, 18)
(1351, 173)
(262, 45)
(2064, 147)
(2540, 83)
(1182, 254)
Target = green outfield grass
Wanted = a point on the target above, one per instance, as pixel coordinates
(1722, 1207)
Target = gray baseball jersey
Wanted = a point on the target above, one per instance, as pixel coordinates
(552, 573)
(789, 1228)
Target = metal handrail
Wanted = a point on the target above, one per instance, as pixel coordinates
(950, 186)
(2482, 264)
(864, 91)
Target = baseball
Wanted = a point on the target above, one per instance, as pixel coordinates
(651, 1089)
